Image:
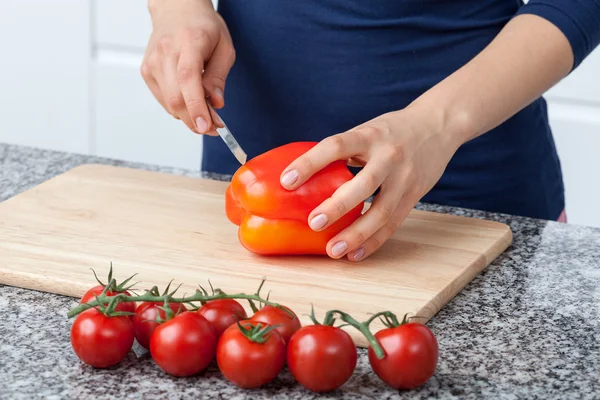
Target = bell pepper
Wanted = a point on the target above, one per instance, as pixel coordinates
(273, 220)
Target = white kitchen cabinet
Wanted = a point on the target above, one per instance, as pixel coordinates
(577, 135)
(582, 86)
(121, 24)
(129, 123)
(44, 73)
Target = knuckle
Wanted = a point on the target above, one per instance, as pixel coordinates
(216, 79)
(185, 72)
(391, 227)
(174, 101)
(146, 71)
(377, 241)
(194, 102)
(339, 207)
(306, 163)
(384, 213)
(197, 34)
(231, 55)
(371, 181)
(163, 44)
(336, 144)
(358, 237)
(396, 152)
(371, 132)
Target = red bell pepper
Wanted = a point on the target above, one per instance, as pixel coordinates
(273, 220)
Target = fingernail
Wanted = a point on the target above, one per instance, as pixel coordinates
(201, 124)
(219, 93)
(289, 178)
(339, 248)
(358, 254)
(318, 222)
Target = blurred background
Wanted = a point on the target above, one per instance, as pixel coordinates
(70, 81)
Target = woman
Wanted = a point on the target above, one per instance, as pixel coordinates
(438, 100)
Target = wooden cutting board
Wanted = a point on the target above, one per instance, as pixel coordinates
(167, 227)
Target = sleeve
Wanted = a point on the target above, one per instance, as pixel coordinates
(579, 21)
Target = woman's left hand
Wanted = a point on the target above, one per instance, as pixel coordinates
(403, 152)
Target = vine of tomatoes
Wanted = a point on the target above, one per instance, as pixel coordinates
(250, 351)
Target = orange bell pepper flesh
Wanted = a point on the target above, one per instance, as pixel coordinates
(273, 220)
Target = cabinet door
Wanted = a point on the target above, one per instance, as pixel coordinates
(122, 24)
(577, 133)
(131, 125)
(574, 108)
(44, 73)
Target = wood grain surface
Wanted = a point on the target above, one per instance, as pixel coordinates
(165, 227)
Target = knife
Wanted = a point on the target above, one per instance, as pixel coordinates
(226, 135)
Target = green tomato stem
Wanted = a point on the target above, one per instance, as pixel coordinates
(362, 327)
(198, 296)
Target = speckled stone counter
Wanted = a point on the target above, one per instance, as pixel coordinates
(528, 327)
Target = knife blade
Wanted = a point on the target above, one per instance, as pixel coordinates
(227, 136)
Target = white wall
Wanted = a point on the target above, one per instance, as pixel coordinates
(76, 86)
(44, 73)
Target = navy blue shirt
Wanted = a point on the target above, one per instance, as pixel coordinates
(308, 69)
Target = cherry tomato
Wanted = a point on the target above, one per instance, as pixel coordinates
(184, 345)
(99, 340)
(278, 316)
(411, 355)
(249, 364)
(321, 358)
(98, 289)
(222, 313)
(144, 320)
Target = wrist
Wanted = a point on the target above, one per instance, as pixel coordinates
(452, 125)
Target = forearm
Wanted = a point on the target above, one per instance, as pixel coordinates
(528, 57)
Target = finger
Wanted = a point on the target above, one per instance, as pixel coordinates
(155, 90)
(149, 68)
(170, 89)
(337, 147)
(385, 232)
(189, 80)
(349, 195)
(217, 69)
(379, 214)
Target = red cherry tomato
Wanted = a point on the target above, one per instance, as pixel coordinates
(248, 364)
(321, 358)
(278, 316)
(222, 313)
(99, 340)
(411, 355)
(97, 291)
(144, 320)
(184, 345)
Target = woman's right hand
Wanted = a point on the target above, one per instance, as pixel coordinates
(188, 36)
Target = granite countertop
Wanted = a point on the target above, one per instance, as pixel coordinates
(527, 327)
